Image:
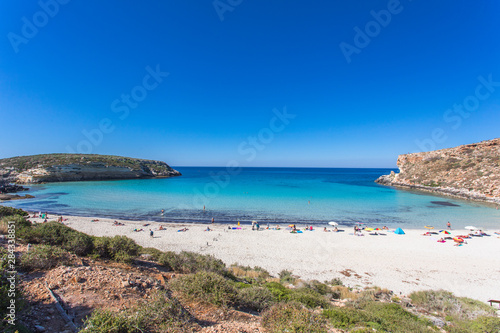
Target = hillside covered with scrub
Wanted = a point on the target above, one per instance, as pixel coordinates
(469, 171)
(72, 282)
(77, 167)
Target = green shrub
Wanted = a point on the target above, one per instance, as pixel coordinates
(190, 262)
(445, 303)
(392, 317)
(206, 286)
(292, 317)
(347, 317)
(319, 287)
(336, 282)
(8, 211)
(383, 317)
(255, 298)
(118, 248)
(106, 321)
(478, 325)
(19, 223)
(155, 253)
(160, 313)
(52, 233)
(44, 257)
(309, 298)
(280, 292)
(286, 276)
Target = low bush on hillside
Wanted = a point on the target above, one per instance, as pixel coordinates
(161, 313)
(383, 317)
(286, 276)
(309, 298)
(207, 286)
(117, 248)
(20, 222)
(478, 325)
(9, 211)
(292, 317)
(52, 233)
(190, 262)
(255, 298)
(451, 306)
(44, 257)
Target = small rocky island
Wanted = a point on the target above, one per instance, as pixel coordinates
(469, 171)
(76, 167)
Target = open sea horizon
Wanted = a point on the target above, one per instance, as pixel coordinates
(268, 195)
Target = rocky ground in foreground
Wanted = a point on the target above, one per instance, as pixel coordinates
(469, 171)
(89, 284)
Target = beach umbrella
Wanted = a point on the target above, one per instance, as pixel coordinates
(470, 228)
(445, 232)
(333, 223)
(378, 229)
(368, 229)
(429, 227)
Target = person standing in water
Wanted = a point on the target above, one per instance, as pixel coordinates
(162, 211)
(448, 225)
(213, 220)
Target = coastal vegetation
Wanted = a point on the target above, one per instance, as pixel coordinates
(199, 284)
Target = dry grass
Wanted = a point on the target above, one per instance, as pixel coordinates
(3, 227)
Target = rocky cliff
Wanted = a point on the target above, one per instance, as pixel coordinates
(469, 171)
(79, 167)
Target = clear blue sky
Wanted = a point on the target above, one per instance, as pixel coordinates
(226, 77)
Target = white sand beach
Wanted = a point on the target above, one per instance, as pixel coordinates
(402, 263)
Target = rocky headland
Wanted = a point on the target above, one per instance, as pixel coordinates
(79, 167)
(469, 171)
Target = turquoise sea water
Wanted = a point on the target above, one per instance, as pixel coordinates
(281, 195)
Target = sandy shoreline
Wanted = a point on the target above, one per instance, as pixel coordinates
(402, 263)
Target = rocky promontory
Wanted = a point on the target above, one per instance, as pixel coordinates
(79, 167)
(469, 171)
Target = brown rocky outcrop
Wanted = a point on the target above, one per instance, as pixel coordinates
(79, 167)
(469, 171)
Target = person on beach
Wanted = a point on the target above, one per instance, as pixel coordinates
(203, 207)
(60, 219)
(161, 228)
(448, 225)
(151, 233)
(208, 229)
(257, 225)
(213, 220)
(335, 229)
(162, 211)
